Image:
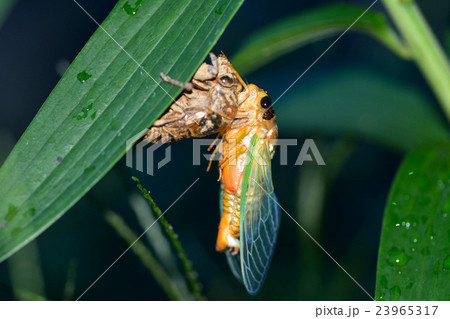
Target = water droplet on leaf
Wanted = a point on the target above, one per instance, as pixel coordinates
(12, 212)
(30, 213)
(83, 76)
(85, 112)
(132, 10)
(89, 169)
(447, 262)
(396, 257)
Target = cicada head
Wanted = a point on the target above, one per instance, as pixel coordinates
(256, 110)
(227, 76)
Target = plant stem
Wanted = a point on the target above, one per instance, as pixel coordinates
(190, 274)
(144, 254)
(425, 48)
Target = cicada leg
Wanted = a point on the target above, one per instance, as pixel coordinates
(188, 86)
(204, 73)
(215, 150)
(208, 71)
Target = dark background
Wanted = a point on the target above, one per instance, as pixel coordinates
(40, 38)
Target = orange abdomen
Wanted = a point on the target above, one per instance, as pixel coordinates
(232, 176)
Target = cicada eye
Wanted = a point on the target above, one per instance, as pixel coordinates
(266, 102)
(269, 114)
(226, 80)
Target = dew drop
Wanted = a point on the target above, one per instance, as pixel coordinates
(447, 262)
(90, 169)
(409, 222)
(219, 10)
(132, 10)
(394, 203)
(83, 76)
(396, 257)
(85, 112)
(30, 213)
(12, 212)
(411, 173)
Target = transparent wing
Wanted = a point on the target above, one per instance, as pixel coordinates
(260, 219)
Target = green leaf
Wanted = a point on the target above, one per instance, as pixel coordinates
(302, 28)
(379, 109)
(100, 105)
(414, 257)
(5, 8)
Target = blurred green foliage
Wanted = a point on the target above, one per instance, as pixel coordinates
(365, 108)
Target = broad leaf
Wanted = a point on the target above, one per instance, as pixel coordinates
(300, 29)
(109, 94)
(414, 257)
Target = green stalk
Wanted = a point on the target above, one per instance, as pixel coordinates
(425, 48)
(147, 258)
(190, 273)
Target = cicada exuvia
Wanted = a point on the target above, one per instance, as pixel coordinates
(207, 105)
(250, 218)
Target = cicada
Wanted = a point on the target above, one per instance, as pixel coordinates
(251, 216)
(207, 105)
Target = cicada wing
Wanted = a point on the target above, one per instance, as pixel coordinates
(235, 265)
(260, 217)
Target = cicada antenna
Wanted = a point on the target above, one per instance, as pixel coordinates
(244, 85)
(215, 150)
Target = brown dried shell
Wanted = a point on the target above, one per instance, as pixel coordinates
(207, 105)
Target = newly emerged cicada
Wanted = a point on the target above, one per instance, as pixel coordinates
(250, 218)
(207, 105)
(217, 100)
